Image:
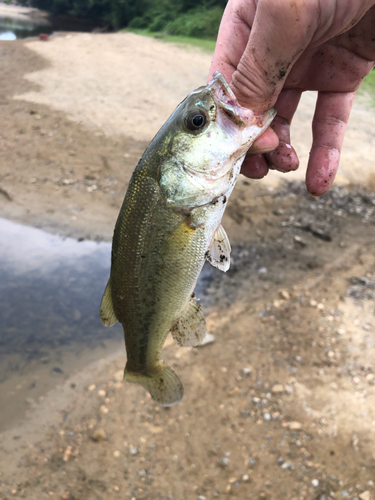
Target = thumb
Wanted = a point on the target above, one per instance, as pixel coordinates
(281, 31)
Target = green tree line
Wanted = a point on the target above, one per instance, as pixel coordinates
(194, 18)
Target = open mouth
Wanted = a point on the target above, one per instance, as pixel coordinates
(227, 101)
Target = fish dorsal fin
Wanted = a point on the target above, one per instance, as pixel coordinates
(107, 313)
(190, 329)
(218, 254)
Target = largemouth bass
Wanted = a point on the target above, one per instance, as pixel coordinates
(169, 224)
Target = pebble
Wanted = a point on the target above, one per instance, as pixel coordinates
(201, 497)
(287, 465)
(246, 371)
(263, 270)
(104, 409)
(293, 426)
(116, 453)
(267, 416)
(133, 450)
(344, 494)
(91, 387)
(284, 294)
(300, 240)
(224, 461)
(245, 478)
(99, 435)
(277, 389)
(315, 483)
(101, 393)
(67, 453)
(365, 495)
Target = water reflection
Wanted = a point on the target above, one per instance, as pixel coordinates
(11, 30)
(7, 35)
(50, 290)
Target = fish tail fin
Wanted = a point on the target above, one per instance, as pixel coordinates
(160, 381)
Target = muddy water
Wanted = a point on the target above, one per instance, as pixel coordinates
(50, 291)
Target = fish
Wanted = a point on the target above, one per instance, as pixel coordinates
(170, 224)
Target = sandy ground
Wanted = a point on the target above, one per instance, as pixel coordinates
(281, 406)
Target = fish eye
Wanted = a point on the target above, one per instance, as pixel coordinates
(196, 120)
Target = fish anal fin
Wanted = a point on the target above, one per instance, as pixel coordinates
(107, 313)
(218, 255)
(161, 382)
(191, 328)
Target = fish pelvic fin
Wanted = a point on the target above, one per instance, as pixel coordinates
(190, 329)
(107, 313)
(160, 381)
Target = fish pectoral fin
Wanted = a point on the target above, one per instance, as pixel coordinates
(107, 313)
(218, 255)
(161, 382)
(190, 329)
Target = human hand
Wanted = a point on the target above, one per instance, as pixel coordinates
(273, 50)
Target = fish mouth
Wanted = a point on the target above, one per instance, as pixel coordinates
(226, 101)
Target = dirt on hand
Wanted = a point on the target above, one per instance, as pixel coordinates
(281, 405)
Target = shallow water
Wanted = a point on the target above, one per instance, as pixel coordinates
(11, 31)
(50, 291)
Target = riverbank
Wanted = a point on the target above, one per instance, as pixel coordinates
(282, 404)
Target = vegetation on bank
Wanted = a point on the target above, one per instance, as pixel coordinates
(203, 43)
(368, 86)
(191, 18)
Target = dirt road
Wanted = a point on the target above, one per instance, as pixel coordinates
(281, 406)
